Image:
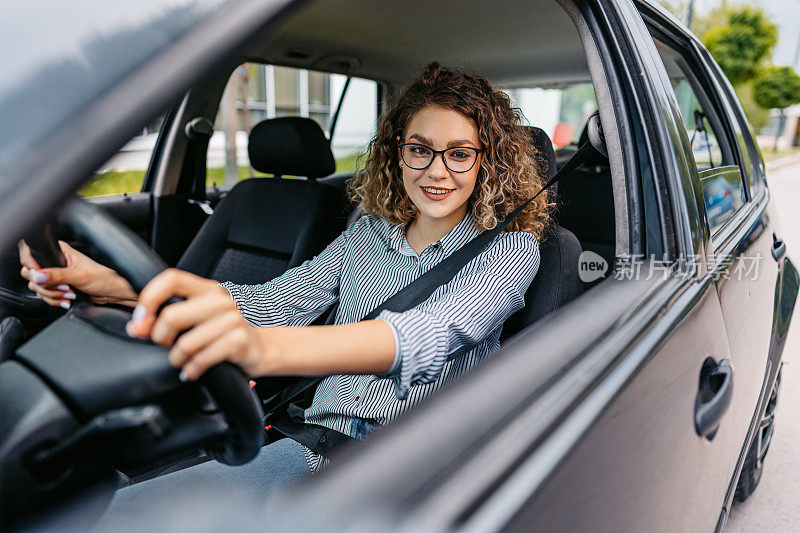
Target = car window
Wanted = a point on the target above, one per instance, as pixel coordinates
(743, 133)
(358, 118)
(719, 174)
(256, 92)
(561, 111)
(125, 171)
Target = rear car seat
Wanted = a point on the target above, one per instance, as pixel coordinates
(586, 204)
(265, 226)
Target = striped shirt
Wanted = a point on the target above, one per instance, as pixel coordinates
(437, 341)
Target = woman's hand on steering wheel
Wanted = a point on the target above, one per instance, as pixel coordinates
(56, 285)
(203, 330)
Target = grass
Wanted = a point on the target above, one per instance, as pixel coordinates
(130, 181)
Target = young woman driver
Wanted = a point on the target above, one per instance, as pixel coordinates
(449, 160)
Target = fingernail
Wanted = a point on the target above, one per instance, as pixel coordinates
(63, 287)
(39, 277)
(69, 296)
(64, 304)
(183, 377)
(129, 329)
(138, 314)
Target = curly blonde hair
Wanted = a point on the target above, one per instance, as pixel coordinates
(509, 173)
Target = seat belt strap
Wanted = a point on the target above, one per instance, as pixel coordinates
(199, 132)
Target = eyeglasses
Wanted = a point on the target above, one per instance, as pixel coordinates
(458, 159)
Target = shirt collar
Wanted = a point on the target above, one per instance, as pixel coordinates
(462, 233)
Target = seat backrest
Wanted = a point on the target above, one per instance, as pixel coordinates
(265, 226)
(557, 280)
(586, 203)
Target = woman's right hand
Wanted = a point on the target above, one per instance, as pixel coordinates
(55, 285)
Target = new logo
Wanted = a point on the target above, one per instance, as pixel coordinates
(591, 266)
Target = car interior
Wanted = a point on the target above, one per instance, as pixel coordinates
(256, 229)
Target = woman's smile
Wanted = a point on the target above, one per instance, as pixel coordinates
(436, 193)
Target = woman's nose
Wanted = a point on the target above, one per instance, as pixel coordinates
(438, 170)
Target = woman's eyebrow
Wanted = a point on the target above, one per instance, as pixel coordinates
(460, 142)
(455, 142)
(420, 138)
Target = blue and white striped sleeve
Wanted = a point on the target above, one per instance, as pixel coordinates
(298, 296)
(467, 311)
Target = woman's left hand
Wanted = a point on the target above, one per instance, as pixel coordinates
(213, 329)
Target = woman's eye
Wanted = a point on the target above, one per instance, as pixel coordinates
(421, 151)
(460, 155)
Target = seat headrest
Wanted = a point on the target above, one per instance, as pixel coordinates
(294, 146)
(544, 147)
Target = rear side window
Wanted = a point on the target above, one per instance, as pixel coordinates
(560, 110)
(257, 92)
(717, 169)
(124, 173)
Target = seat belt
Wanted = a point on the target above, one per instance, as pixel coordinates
(199, 132)
(321, 439)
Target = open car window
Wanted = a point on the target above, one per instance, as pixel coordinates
(125, 172)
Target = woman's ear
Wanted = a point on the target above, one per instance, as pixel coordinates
(399, 153)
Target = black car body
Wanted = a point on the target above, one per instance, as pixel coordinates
(639, 405)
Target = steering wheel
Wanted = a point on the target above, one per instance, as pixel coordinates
(119, 248)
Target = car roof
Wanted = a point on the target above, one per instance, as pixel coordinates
(537, 43)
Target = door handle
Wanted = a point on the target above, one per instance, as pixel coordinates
(714, 396)
(778, 249)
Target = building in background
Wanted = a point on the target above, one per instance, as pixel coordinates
(787, 139)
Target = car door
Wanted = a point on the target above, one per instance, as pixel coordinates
(738, 253)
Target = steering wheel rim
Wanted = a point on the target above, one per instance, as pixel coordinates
(125, 252)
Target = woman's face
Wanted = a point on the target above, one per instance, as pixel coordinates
(440, 194)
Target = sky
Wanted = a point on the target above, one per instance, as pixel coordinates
(786, 13)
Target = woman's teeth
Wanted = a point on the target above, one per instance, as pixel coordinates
(436, 190)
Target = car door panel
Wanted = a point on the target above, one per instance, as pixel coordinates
(642, 466)
(747, 296)
(133, 210)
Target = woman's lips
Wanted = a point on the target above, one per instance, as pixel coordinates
(436, 193)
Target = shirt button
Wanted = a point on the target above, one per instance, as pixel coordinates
(358, 398)
(323, 438)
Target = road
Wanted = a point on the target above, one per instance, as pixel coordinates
(774, 506)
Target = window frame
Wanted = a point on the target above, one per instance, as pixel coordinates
(158, 150)
(687, 50)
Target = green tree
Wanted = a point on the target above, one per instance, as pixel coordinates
(777, 88)
(715, 19)
(743, 44)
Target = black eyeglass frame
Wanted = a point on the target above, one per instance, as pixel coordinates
(477, 151)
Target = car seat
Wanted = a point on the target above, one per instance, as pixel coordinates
(265, 226)
(557, 281)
